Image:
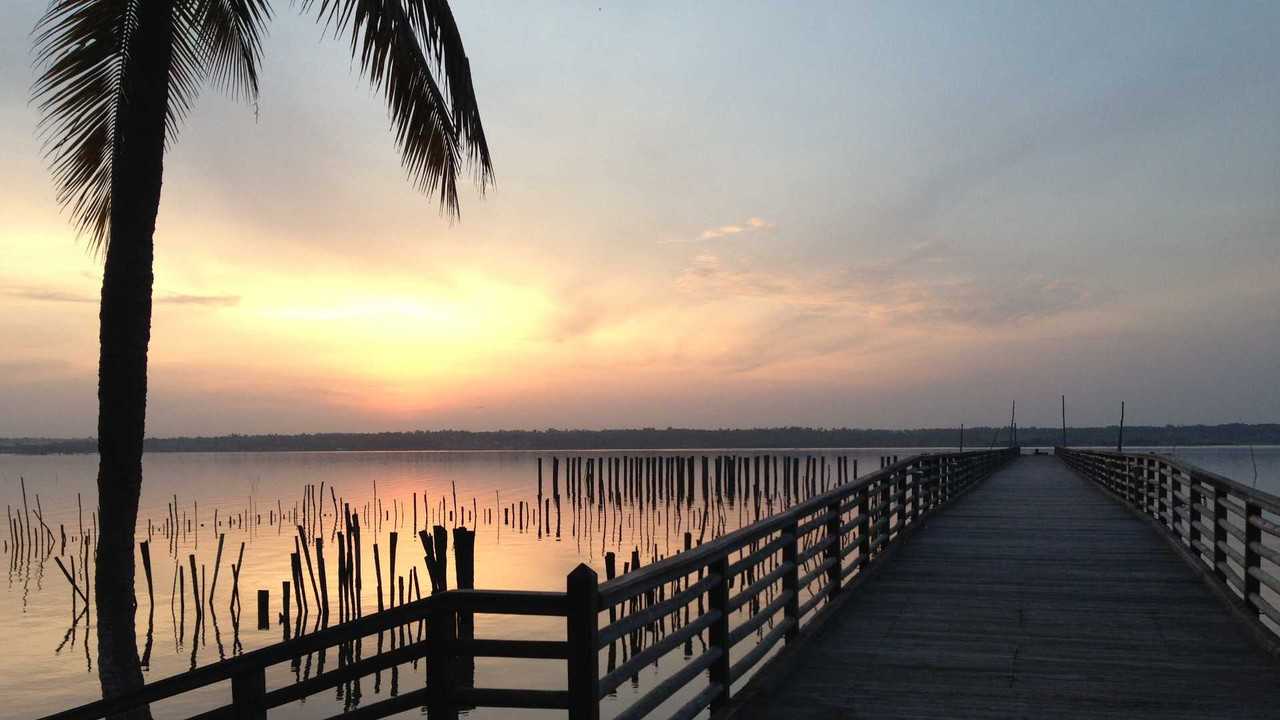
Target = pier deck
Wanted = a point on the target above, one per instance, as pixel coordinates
(1034, 596)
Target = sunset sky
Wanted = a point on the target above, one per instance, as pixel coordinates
(706, 214)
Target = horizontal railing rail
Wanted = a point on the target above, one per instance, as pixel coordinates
(1233, 530)
(763, 582)
(439, 617)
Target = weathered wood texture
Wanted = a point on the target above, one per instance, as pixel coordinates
(1034, 596)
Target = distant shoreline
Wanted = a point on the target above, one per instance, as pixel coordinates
(1238, 434)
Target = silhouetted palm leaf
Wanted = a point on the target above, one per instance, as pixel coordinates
(403, 46)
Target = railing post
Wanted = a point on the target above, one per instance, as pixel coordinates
(442, 631)
(1252, 560)
(718, 601)
(249, 694)
(886, 503)
(582, 628)
(791, 580)
(913, 479)
(1219, 531)
(864, 526)
(1149, 466)
(1193, 532)
(833, 550)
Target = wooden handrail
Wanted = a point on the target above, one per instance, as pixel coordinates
(646, 578)
(1195, 508)
(253, 663)
(800, 550)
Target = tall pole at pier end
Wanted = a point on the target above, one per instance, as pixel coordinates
(1120, 439)
(1013, 424)
(1064, 421)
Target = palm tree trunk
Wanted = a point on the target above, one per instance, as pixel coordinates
(125, 332)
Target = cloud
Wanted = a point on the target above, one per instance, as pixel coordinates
(64, 296)
(751, 225)
(205, 300)
(904, 291)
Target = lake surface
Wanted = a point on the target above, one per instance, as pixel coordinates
(52, 667)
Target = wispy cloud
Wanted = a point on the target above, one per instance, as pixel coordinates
(205, 300)
(891, 292)
(750, 225)
(65, 296)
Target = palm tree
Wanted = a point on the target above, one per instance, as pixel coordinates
(117, 78)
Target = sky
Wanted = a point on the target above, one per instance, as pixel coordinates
(711, 214)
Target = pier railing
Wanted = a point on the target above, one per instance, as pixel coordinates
(1233, 530)
(753, 589)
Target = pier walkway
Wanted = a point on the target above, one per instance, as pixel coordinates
(1033, 596)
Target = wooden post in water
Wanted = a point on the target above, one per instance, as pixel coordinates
(195, 586)
(583, 633)
(284, 603)
(145, 546)
(377, 574)
(324, 580)
(264, 609)
(217, 564)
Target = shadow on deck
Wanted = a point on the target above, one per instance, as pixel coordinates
(1034, 596)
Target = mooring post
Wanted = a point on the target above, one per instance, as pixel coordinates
(249, 694)
(264, 605)
(582, 630)
(718, 597)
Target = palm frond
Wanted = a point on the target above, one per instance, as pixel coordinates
(436, 135)
(433, 20)
(231, 34)
(82, 45)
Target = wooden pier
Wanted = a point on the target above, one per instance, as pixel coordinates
(978, 584)
(1036, 596)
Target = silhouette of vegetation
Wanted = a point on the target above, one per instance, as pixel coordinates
(117, 78)
(671, 438)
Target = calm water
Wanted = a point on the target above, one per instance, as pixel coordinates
(52, 667)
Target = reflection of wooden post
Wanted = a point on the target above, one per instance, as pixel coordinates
(583, 634)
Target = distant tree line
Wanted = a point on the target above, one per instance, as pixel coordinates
(680, 438)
